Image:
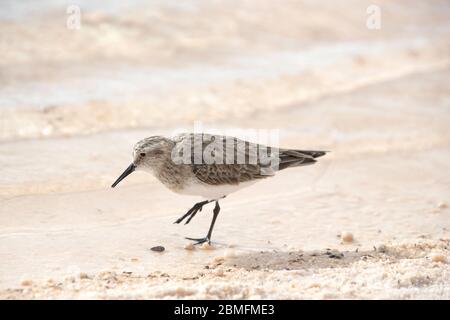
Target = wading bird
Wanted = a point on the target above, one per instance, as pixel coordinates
(211, 166)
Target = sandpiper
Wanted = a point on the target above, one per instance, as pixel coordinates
(211, 166)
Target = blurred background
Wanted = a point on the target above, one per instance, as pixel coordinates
(312, 69)
(82, 80)
(159, 63)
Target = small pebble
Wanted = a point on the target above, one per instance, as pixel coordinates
(189, 246)
(26, 282)
(218, 259)
(218, 272)
(206, 246)
(158, 249)
(134, 260)
(83, 275)
(439, 258)
(347, 236)
(442, 205)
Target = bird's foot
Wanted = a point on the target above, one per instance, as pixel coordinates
(192, 212)
(200, 240)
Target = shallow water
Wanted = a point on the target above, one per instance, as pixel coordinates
(71, 112)
(121, 83)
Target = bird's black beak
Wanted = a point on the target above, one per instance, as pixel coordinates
(127, 171)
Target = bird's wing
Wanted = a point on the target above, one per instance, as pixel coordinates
(218, 174)
(220, 159)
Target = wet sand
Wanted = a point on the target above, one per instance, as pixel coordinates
(379, 101)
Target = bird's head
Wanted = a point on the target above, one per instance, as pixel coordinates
(148, 154)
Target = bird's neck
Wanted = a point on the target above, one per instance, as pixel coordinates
(171, 175)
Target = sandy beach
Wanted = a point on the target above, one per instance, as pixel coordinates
(74, 102)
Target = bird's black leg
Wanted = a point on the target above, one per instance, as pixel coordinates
(211, 227)
(193, 211)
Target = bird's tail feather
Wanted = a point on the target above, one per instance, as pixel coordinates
(294, 158)
(312, 153)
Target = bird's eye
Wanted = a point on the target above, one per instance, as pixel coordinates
(142, 154)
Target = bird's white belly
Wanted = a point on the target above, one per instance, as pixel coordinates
(211, 192)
